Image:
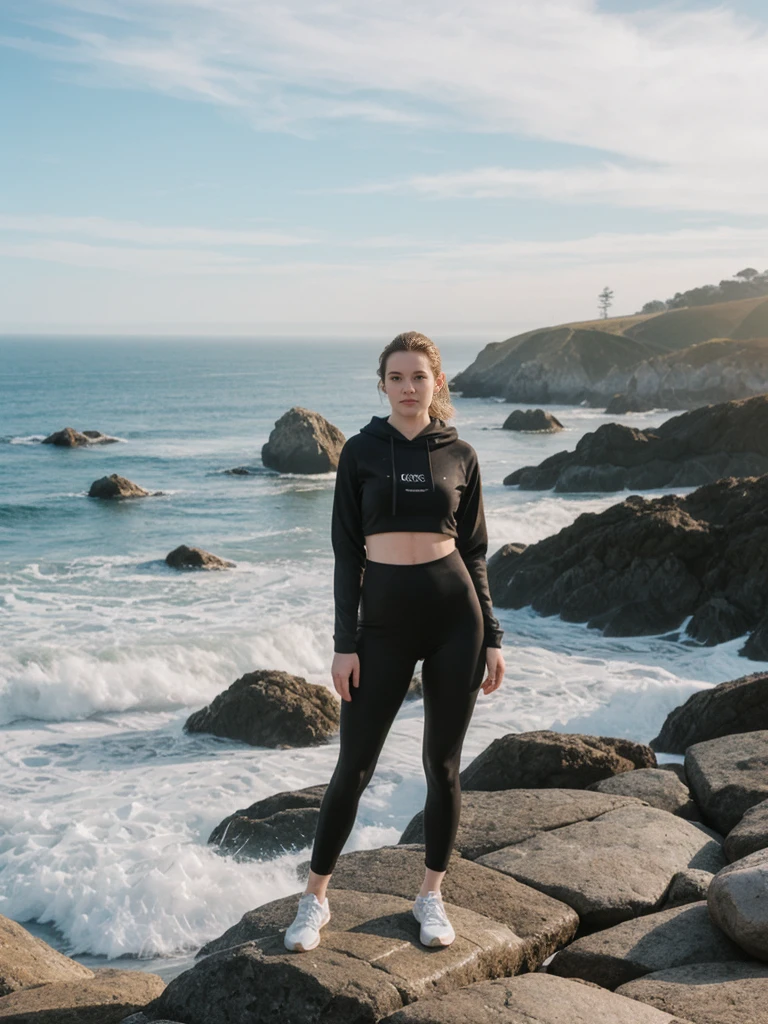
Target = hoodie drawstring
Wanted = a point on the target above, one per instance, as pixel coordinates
(394, 486)
(429, 460)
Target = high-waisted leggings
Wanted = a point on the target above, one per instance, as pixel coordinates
(427, 611)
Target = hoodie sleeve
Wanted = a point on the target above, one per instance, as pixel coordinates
(473, 544)
(349, 550)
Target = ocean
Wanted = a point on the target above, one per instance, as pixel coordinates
(105, 804)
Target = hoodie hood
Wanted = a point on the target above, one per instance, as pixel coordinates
(410, 452)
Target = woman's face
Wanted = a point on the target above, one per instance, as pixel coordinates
(410, 384)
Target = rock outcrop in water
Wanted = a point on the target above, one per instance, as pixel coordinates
(270, 708)
(116, 486)
(184, 557)
(71, 438)
(535, 421)
(303, 442)
(677, 359)
(645, 565)
(694, 448)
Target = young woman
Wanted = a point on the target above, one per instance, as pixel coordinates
(409, 539)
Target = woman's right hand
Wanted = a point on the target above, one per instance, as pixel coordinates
(342, 667)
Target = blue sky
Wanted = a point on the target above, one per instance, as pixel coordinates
(233, 166)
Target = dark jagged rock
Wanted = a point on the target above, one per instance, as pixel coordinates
(532, 421)
(737, 705)
(553, 759)
(303, 441)
(756, 646)
(184, 557)
(269, 708)
(622, 403)
(283, 821)
(644, 565)
(116, 486)
(71, 438)
(694, 448)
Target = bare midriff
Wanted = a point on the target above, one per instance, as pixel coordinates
(403, 548)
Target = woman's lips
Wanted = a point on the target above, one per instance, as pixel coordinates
(409, 401)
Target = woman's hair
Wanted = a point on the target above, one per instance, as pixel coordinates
(412, 341)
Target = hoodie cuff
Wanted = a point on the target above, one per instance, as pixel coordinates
(344, 647)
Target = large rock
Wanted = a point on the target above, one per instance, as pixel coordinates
(270, 827)
(531, 999)
(303, 441)
(105, 998)
(269, 708)
(737, 705)
(26, 961)
(689, 886)
(116, 486)
(694, 448)
(532, 420)
(644, 565)
(738, 902)
(621, 403)
(71, 438)
(653, 942)
(724, 993)
(369, 963)
(727, 776)
(492, 820)
(750, 834)
(658, 788)
(544, 924)
(184, 557)
(614, 867)
(546, 758)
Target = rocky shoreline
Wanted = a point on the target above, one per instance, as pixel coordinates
(588, 882)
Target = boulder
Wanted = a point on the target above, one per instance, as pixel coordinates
(738, 902)
(614, 867)
(270, 827)
(544, 924)
(369, 963)
(622, 403)
(750, 834)
(653, 942)
(689, 886)
(643, 566)
(106, 998)
(727, 776)
(531, 999)
(492, 820)
(184, 557)
(655, 787)
(718, 993)
(303, 441)
(756, 646)
(688, 450)
(26, 961)
(533, 421)
(737, 705)
(270, 708)
(116, 486)
(545, 758)
(71, 438)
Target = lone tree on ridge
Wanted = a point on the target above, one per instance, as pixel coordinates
(605, 299)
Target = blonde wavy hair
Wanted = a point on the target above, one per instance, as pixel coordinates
(411, 341)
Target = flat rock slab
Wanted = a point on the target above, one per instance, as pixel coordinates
(544, 924)
(26, 961)
(728, 775)
(106, 998)
(750, 835)
(614, 867)
(492, 820)
(738, 902)
(369, 963)
(655, 942)
(730, 993)
(538, 998)
(655, 786)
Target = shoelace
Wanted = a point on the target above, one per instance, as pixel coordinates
(310, 912)
(434, 912)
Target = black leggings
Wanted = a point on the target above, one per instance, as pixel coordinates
(429, 610)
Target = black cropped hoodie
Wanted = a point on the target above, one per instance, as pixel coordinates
(386, 481)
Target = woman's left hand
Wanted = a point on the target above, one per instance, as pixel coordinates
(494, 660)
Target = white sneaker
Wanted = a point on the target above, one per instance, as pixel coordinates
(436, 929)
(304, 932)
